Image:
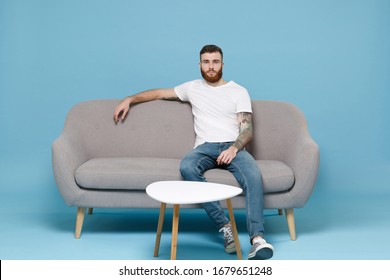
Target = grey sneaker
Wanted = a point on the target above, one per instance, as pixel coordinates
(261, 250)
(230, 246)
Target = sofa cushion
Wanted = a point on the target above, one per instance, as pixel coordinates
(126, 173)
(138, 173)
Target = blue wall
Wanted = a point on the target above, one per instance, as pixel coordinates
(330, 58)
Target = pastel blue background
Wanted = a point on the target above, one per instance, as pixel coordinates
(330, 58)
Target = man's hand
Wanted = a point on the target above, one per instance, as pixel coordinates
(245, 136)
(122, 109)
(227, 156)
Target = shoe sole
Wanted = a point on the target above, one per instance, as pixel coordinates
(262, 253)
(231, 250)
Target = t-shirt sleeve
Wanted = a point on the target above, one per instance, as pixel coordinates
(244, 102)
(182, 91)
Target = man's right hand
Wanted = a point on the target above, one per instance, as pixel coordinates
(122, 109)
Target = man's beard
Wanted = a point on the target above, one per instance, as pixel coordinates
(213, 79)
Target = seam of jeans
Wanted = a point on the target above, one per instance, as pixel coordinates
(198, 167)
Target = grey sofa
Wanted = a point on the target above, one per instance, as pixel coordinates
(100, 164)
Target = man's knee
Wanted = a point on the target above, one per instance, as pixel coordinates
(186, 167)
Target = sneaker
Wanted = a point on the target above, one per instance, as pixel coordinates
(261, 250)
(230, 246)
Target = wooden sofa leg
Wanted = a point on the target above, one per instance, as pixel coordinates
(280, 212)
(291, 223)
(90, 211)
(79, 221)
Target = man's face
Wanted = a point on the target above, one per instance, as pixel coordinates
(211, 66)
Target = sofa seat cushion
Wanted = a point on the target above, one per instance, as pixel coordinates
(138, 173)
(126, 173)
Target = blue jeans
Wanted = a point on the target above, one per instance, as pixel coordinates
(244, 168)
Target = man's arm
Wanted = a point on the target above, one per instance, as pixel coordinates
(245, 136)
(163, 94)
(246, 130)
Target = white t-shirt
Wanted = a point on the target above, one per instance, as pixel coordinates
(215, 109)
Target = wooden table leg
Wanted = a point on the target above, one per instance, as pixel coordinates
(175, 229)
(159, 228)
(234, 228)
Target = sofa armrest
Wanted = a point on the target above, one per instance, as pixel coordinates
(67, 156)
(302, 156)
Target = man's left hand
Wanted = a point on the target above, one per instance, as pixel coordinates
(227, 156)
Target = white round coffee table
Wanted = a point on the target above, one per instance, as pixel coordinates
(186, 192)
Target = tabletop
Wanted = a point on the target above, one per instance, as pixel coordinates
(188, 192)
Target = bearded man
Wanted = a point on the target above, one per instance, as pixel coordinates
(223, 127)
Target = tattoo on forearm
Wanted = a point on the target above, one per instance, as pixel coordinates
(246, 130)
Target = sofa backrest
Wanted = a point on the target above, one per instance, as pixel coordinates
(277, 127)
(153, 129)
(165, 129)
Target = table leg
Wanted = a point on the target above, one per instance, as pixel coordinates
(175, 229)
(234, 228)
(159, 228)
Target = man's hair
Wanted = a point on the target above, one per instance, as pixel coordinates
(211, 49)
